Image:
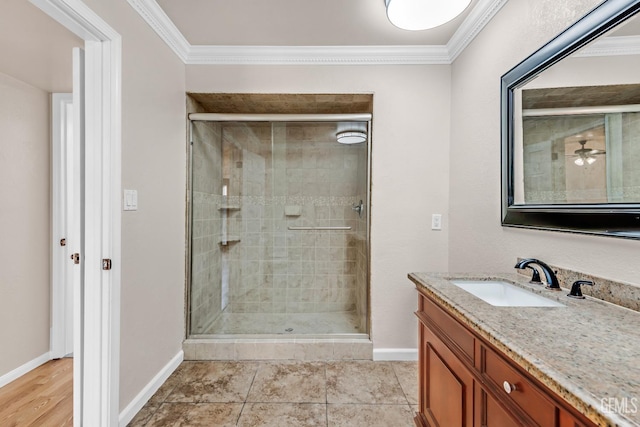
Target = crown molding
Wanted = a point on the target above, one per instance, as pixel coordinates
(611, 46)
(318, 55)
(477, 19)
(158, 20)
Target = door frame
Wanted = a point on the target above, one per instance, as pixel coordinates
(99, 398)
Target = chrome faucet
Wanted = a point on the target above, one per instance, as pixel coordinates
(550, 276)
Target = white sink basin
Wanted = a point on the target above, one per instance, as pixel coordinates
(504, 294)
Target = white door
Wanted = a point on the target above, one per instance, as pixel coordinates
(76, 230)
(62, 172)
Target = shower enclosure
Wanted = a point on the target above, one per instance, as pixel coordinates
(279, 233)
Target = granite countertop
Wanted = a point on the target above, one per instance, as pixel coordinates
(587, 352)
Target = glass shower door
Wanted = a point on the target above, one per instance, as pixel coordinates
(276, 246)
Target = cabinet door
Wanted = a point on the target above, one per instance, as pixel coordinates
(491, 414)
(566, 420)
(446, 384)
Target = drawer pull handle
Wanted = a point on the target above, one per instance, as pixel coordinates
(508, 387)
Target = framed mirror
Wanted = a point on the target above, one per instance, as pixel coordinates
(570, 117)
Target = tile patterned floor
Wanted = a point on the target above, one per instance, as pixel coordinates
(285, 394)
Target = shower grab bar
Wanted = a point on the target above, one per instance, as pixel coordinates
(319, 228)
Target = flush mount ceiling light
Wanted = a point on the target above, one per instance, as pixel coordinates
(351, 137)
(423, 14)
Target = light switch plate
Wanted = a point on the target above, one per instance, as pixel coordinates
(436, 222)
(130, 200)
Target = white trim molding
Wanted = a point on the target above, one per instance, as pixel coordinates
(97, 399)
(611, 46)
(477, 19)
(394, 354)
(145, 394)
(190, 54)
(23, 369)
(320, 55)
(157, 19)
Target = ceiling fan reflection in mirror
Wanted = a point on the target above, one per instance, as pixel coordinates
(585, 155)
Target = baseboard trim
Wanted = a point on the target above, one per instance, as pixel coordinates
(21, 370)
(145, 394)
(381, 354)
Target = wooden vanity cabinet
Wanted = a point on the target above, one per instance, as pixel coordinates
(462, 381)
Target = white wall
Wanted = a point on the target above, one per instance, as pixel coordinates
(410, 168)
(24, 223)
(153, 162)
(478, 242)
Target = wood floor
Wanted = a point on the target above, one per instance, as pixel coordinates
(43, 397)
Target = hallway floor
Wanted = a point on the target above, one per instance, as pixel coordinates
(41, 397)
(284, 394)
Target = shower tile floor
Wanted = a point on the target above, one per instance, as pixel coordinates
(285, 394)
(288, 323)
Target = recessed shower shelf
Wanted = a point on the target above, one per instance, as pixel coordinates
(229, 239)
(229, 208)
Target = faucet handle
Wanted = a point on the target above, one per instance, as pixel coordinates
(576, 291)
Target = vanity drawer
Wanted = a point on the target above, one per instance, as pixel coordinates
(526, 395)
(458, 334)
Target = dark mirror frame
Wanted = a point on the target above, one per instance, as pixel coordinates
(610, 219)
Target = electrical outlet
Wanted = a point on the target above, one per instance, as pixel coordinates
(436, 222)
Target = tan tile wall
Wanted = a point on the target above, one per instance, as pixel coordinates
(206, 270)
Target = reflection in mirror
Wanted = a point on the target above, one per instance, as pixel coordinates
(571, 128)
(578, 149)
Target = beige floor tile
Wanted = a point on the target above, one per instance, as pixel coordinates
(369, 416)
(215, 382)
(289, 381)
(144, 415)
(283, 415)
(187, 371)
(363, 382)
(407, 373)
(196, 415)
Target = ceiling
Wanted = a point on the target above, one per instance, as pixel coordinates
(297, 23)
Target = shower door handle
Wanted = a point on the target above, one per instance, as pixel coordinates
(320, 228)
(358, 208)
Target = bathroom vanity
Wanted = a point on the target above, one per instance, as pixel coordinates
(483, 365)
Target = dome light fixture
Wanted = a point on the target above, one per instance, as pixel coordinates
(351, 137)
(418, 15)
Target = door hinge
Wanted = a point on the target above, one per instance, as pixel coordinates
(63, 242)
(76, 258)
(106, 264)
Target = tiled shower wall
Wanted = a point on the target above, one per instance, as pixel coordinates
(278, 176)
(206, 268)
(306, 172)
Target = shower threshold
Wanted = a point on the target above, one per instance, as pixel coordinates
(286, 336)
(280, 347)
